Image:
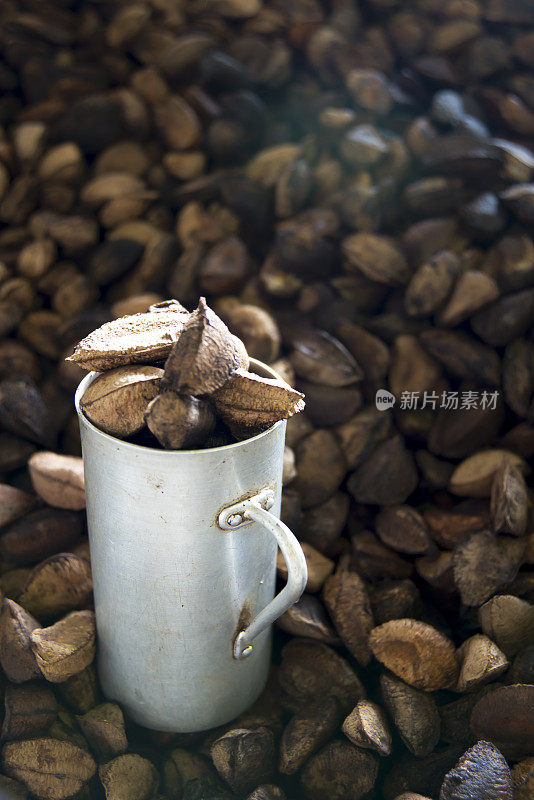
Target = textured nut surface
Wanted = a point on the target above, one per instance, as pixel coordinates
(65, 648)
(116, 400)
(418, 653)
(49, 768)
(130, 340)
(58, 479)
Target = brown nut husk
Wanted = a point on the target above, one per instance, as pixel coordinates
(366, 726)
(414, 713)
(387, 477)
(180, 421)
(369, 351)
(414, 774)
(508, 621)
(16, 654)
(481, 772)
(322, 524)
(116, 400)
(245, 758)
(59, 584)
(474, 476)
(30, 710)
(473, 290)
(377, 257)
(395, 600)
(13, 581)
(184, 770)
(24, 413)
(509, 501)
(14, 503)
(311, 670)
(307, 731)
(138, 339)
(372, 560)
(431, 284)
(80, 692)
(254, 403)
(347, 602)
(483, 563)
(58, 479)
(65, 729)
(505, 716)
(455, 433)
(522, 668)
(103, 727)
(411, 796)
(307, 618)
(320, 467)
(416, 652)
(360, 435)
(518, 375)
(137, 304)
(339, 771)
(449, 527)
(455, 717)
(268, 791)
(65, 648)
(205, 355)
(321, 358)
(50, 769)
(462, 356)
(481, 661)
(412, 369)
(330, 405)
(257, 330)
(40, 534)
(435, 472)
(523, 779)
(129, 777)
(404, 529)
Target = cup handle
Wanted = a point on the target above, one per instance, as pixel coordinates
(256, 509)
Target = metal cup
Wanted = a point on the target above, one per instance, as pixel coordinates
(183, 552)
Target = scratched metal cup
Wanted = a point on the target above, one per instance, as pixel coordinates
(183, 552)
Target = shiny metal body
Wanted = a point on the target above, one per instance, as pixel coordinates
(183, 551)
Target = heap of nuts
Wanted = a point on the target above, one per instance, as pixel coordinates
(368, 673)
(204, 379)
(350, 184)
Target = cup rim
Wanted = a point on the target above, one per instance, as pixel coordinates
(83, 419)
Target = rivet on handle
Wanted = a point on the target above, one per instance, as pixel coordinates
(234, 516)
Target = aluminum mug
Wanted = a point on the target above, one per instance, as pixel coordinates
(183, 552)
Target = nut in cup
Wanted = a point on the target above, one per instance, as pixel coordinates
(183, 552)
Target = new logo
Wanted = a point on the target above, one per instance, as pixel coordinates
(384, 400)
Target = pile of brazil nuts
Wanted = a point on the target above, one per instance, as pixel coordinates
(351, 187)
